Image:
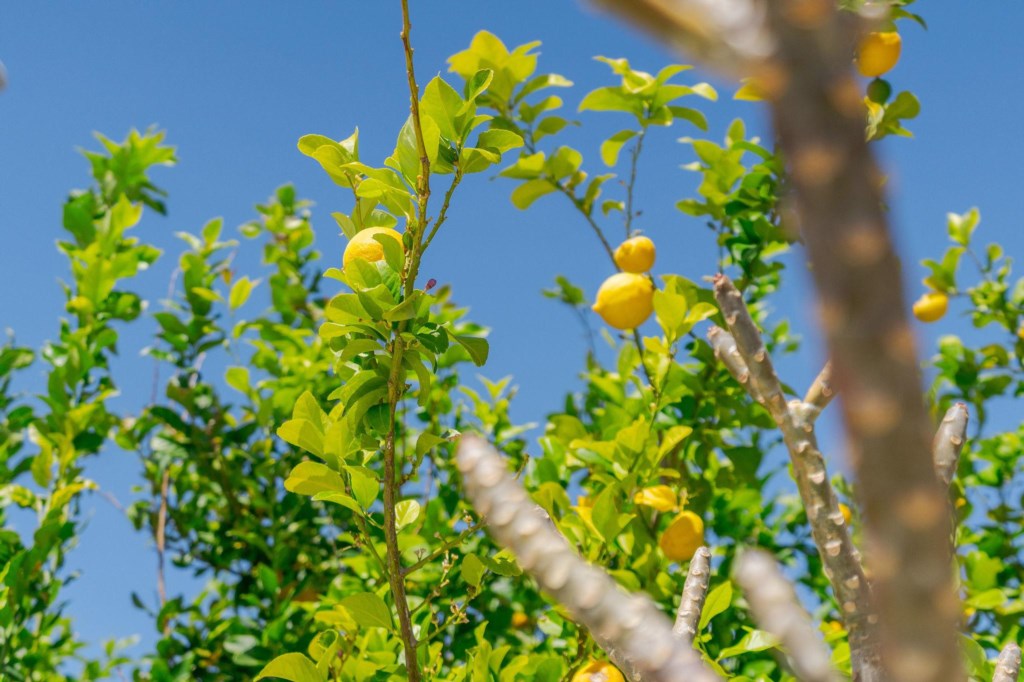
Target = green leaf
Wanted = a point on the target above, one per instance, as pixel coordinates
(302, 433)
(502, 140)
(472, 569)
(525, 194)
(612, 99)
(755, 640)
(611, 147)
(961, 227)
(442, 104)
(238, 379)
(477, 347)
(364, 485)
(978, 666)
(292, 667)
(339, 499)
(310, 478)
(406, 513)
(368, 610)
(718, 601)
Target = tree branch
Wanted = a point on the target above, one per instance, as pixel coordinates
(820, 394)
(630, 628)
(828, 527)
(695, 591)
(777, 610)
(949, 441)
(1008, 664)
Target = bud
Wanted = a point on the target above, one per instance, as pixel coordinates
(431, 283)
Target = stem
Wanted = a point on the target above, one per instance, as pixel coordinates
(590, 221)
(161, 542)
(695, 592)
(637, 148)
(451, 544)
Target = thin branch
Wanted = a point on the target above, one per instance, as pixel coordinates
(724, 347)
(695, 591)
(777, 610)
(949, 441)
(161, 543)
(590, 221)
(828, 526)
(820, 394)
(630, 186)
(630, 628)
(1008, 664)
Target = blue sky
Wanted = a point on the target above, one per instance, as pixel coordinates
(236, 83)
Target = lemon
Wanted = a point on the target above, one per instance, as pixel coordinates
(635, 255)
(1020, 331)
(364, 247)
(625, 300)
(931, 307)
(845, 511)
(682, 538)
(520, 620)
(878, 53)
(584, 507)
(598, 671)
(661, 497)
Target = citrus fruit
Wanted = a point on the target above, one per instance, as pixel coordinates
(364, 247)
(661, 497)
(931, 307)
(845, 511)
(625, 300)
(878, 53)
(635, 255)
(682, 538)
(520, 620)
(598, 671)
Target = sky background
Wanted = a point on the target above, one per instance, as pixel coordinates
(236, 83)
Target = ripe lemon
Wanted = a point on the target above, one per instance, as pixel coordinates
(661, 497)
(878, 53)
(635, 255)
(364, 247)
(682, 538)
(931, 307)
(625, 300)
(598, 671)
(520, 620)
(845, 511)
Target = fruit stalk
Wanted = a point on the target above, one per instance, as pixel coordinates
(695, 591)
(777, 610)
(744, 352)
(630, 628)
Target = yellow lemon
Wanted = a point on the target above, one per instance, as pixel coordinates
(878, 53)
(1020, 331)
(520, 620)
(598, 671)
(625, 300)
(847, 514)
(364, 247)
(682, 538)
(931, 307)
(635, 255)
(661, 497)
(584, 507)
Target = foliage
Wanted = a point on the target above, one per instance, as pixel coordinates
(299, 458)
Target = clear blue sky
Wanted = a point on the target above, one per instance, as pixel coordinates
(236, 83)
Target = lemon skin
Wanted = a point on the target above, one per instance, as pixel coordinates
(625, 300)
(364, 247)
(931, 307)
(636, 255)
(878, 53)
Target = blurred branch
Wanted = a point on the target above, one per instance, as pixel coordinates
(820, 394)
(695, 591)
(630, 628)
(949, 442)
(777, 611)
(1008, 664)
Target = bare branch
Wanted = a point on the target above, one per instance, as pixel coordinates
(777, 610)
(949, 441)
(630, 628)
(828, 526)
(820, 394)
(729, 35)
(695, 591)
(725, 350)
(1008, 664)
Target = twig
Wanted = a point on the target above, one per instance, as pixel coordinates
(1008, 664)
(818, 112)
(695, 591)
(630, 628)
(828, 526)
(161, 543)
(777, 610)
(634, 161)
(820, 394)
(949, 441)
